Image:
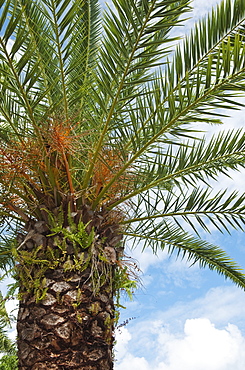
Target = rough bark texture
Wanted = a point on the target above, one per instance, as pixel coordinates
(56, 333)
(71, 325)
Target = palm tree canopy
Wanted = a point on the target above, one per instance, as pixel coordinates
(104, 107)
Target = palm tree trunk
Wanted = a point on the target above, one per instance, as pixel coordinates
(64, 331)
(65, 319)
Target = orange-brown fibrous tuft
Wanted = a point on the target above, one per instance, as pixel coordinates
(18, 159)
(18, 163)
(106, 167)
(23, 158)
(59, 137)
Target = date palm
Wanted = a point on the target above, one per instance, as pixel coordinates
(7, 347)
(98, 147)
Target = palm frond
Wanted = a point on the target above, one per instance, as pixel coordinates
(130, 50)
(214, 82)
(6, 345)
(9, 231)
(207, 35)
(48, 48)
(200, 208)
(193, 249)
(189, 164)
(81, 49)
(104, 114)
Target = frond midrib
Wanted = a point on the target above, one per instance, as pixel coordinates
(161, 132)
(181, 213)
(115, 100)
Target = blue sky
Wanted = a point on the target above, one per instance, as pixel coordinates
(184, 317)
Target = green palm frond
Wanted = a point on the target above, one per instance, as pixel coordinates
(48, 49)
(129, 52)
(199, 208)
(178, 89)
(195, 250)
(189, 164)
(81, 50)
(102, 109)
(174, 102)
(6, 345)
(208, 35)
(8, 231)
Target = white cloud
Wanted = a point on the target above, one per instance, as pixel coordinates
(124, 359)
(146, 258)
(198, 335)
(12, 306)
(133, 363)
(171, 270)
(204, 347)
(220, 305)
(201, 8)
(200, 346)
(123, 337)
(9, 45)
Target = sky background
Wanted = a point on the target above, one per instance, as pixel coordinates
(184, 318)
(187, 318)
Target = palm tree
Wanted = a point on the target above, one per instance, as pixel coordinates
(7, 347)
(98, 146)
(8, 360)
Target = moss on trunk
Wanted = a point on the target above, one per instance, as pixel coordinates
(68, 274)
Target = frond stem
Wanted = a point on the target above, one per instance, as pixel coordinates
(115, 100)
(174, 175)
(56, 30)
(155, 138)
(172, 214)
(68, 173)
(23, 93)
(190, 72)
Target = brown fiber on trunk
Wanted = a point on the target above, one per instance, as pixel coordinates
(64, 331)
(66, 314)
